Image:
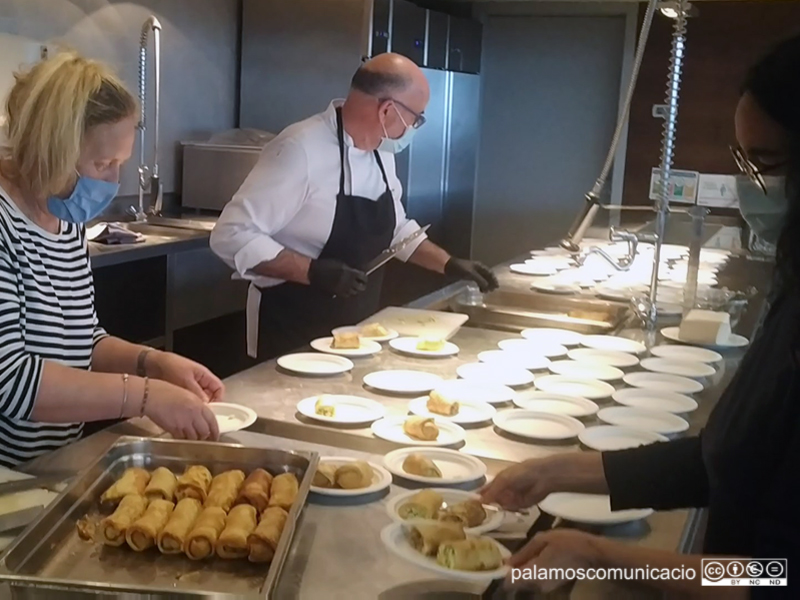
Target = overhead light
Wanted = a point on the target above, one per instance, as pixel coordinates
(670, 9)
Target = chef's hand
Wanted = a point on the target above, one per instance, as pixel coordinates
(335, 277)
(474, 271)
(180, 412)
(185, 373)
(520, 486)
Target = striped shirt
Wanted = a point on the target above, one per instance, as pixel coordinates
(46, 313)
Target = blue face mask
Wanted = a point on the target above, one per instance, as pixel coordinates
(765, 214)
(89, 198)
(395, 146)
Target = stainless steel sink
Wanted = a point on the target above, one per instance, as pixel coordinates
(151, 230)
(193, 224)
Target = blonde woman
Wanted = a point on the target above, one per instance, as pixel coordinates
(70, 127)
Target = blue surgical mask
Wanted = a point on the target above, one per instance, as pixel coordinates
(765, 214)
(395, 146)
(89, 198)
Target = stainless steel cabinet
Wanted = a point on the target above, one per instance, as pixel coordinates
(408, 30)
(438, 28)
(464, 47)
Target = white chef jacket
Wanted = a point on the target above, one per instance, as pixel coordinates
(289, 198)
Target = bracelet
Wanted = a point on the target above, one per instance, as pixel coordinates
(141, 370)
(124, 395)
(145, 396)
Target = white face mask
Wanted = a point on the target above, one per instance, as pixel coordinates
(765, 214)
(395, 146)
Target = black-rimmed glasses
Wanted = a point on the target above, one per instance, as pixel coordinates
(749, 169)
(419, 118)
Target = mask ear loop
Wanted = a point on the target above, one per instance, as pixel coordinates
(402, 120)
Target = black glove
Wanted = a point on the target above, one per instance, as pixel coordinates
(474, 271)
(335, 277)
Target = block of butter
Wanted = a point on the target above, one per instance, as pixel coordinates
(706, 327)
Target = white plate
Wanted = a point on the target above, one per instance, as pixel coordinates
(533, 269)
(314, 363)
(469, 412)
(690, 353)
(683, 368)
(532, 348)
(665, 383)
(484, 373)
(734, 341)
(551, 335)
(585, 370)
(494, 516)
(656, 400)
(394, 537)
(618, 294)
(562, 289)
(456, 467)
(514, 359)
(357, 329)
(408, 345)
(232, 417)
(538, 425)
(391, 428)
(613, 358)
(402, 381)
(592, 509)
(349, 409)
(558, 404)
(611, 437)
(647, 420)
(367, 348)
(471, 391)
(610, 342)
(381, 479)
(591, 389)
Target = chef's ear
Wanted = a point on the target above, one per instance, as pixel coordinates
(384, 108)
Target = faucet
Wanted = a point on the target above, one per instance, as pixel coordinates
(623, 263)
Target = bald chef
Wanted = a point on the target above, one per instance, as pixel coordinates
(322, 201)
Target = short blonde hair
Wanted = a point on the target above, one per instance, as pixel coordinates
(50, 109)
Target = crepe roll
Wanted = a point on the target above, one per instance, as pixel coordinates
(354, 475)
(418, 464)
(241, 522)
(172, 538)
(224, 489)
(133, 482)
(422, 505)
(469, 513)
(205, 533)
(472, 554)
(284, 490)
(255, 490)
(325, 476)
(264, 540)
(193, 483)
(143, 533)
(442, 405)
(421, 428)
(427, 537)
(162, 485)
(374, 330)
(114, 526)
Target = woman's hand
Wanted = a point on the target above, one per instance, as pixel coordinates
(180, 412)
(185, 373)
(520, 486)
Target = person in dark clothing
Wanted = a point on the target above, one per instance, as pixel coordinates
(744, 467)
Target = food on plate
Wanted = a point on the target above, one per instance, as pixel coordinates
(255, 490)
(418, 464)
(284, 490)
(264, 540)
(162, 485)
(442, 405)
(114, 526)
(224, 489)
(205, 533)
(348, 340)
(325, 406)
(374, 330)
(430, 344)
(427, 537)
(240, 523)
(143, 533)
(471, 554)
(193, 483)
(421, 428)
(705, 327)
(354, 475)
(424, 504)
(133, 481)
(469, 513)
(173, 537)
(325, 476)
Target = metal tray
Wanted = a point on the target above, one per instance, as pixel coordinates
(49, 555)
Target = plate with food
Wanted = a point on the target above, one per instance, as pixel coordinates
(370, 331)
(346, 476)
(538, 425)
(402, 381)
(346, 344)
(434, 465)
(611, 437)
(585, 369)
(734, 340)
(552, 335)
(591, 509)
(445, 549)
(439, 405)
(612, 358)
(447, 506)
(333, 408)
(559, 404)
(315, 363)
(232, 417)
(500, 375)
(418, 431)
(428, 347)
(472, 391)
(611, 342)
(531, 362)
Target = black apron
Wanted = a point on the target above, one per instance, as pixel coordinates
(291, 314)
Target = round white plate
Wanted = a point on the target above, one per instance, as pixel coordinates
(562, 289)
(357, 329)
(395, 538)
(690, 353)
(456, 467)
(485, 373)
(647, 420)
(611, 437)
(402, 381)
(665, 383)
(533, 269)
(471, 391)
(232, 417)
(592, 509)
(522, 346)
(591, 389)
(469, 412)
(734, 341)
(557, 404)
(391, 428)
(538, 425)
(610, 342)
(683, 368)
(381, 479)
(551, 335)
(585, 370)
(656, 400)
(408, 345)
(349, 409)
(368, 348)
(494, 516)
(314, 363)
(612, 358)
(514, 359)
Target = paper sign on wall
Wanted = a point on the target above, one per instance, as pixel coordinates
(717, 191)
(682, 186)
